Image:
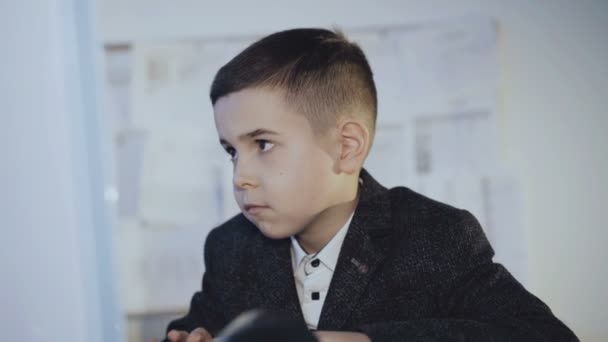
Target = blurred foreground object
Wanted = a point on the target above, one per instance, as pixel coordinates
(259, 326)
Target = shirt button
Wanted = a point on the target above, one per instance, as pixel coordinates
(315, 263)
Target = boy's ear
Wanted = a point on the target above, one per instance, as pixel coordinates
(354, 143)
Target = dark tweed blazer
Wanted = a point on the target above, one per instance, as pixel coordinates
(410, 269)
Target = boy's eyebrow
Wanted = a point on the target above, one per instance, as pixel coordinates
(250, 135)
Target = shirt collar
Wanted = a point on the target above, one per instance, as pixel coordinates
(329, 254)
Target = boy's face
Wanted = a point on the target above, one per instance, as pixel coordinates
(280, 165)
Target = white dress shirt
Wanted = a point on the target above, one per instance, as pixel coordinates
(313, 273)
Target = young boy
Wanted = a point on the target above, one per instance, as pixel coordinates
(319, 240)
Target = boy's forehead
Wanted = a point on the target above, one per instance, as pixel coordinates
(252, 109)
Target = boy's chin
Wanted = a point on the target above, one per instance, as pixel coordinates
(273, 233)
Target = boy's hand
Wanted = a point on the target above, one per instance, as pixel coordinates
(197, 335)
(341, 336)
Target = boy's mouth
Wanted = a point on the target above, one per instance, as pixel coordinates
(255, 208)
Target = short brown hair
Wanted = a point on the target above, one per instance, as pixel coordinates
(319, 71)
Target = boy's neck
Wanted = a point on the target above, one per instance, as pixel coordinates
(325, 226)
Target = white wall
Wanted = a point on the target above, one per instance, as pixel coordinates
(56, 276)
(554, 81)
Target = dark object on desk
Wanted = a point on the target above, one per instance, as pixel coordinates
(256, 325)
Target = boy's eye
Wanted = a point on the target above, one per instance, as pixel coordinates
(265, 145)
(231, 151)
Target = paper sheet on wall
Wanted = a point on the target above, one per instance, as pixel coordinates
(453, 142)
(382, 52)
(451, 65)
(505, 218)
(163, 270)
(170, 84)
(128, 148)
(180, 184)
(182, 160)
(388, 158)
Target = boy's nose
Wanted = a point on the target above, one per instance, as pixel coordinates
(243, 179)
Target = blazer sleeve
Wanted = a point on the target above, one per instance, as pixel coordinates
(204, 307)
(480, 300)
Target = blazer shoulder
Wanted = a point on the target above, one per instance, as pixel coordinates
(441, 237)
(228, 249)
(234, 234)
(422, 208)
(432, 222)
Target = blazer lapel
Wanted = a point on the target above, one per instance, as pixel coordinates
(277, 289)
(362, 251)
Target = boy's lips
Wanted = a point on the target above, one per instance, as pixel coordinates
(255, 208)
